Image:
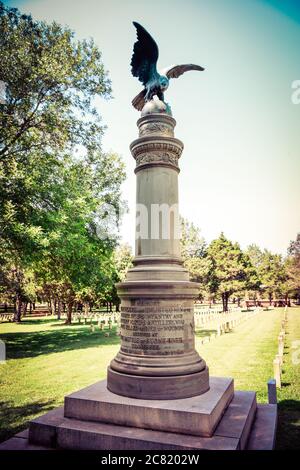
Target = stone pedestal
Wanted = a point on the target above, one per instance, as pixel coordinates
(157, 359)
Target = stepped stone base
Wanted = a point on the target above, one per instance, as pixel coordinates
(197, 415)
(96, 419)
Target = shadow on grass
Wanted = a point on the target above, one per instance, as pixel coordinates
(14, 418)
(202, 333)
(37, 321)
(36, 343)
(288, 428)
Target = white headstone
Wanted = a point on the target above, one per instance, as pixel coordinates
(2, 352)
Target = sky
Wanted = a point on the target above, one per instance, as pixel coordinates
(241, 162)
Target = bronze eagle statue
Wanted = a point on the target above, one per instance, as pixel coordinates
(143, 66)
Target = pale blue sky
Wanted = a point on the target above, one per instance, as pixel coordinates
(241, 164)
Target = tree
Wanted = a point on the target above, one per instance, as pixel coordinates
(192, 244)
(55, 181)
(194, 254)
(122, 262)
(272, 274)
(18, 287)
(293, 268)
(51, 83)
(71, 252)
(231, 270)
(50, 80)
(256, 257)
(123, 258)
(294, 248)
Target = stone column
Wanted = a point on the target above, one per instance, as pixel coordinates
(157, 359)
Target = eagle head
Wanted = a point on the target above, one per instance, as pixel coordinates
(163, 82)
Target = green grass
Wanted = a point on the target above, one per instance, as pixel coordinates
(47, 360)
(289, 395)
(247, 355)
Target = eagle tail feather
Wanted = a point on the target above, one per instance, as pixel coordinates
(139, 101)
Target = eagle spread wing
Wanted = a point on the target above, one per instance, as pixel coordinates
(145, 55)
(176, 70)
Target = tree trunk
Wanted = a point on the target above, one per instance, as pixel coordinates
(226, 301)
(52, 306)
(86, 308)
(58, 309)
(30, 308)
(69, 313)
(270, 300)
(18, 310)
(225, 297)
(223, 302)
(110, 306)
(286, 299)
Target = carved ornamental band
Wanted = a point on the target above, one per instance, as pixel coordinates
(156, 144)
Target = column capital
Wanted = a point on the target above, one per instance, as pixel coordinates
(156, 145)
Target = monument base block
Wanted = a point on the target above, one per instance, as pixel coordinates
(197, 415)
(158, 388)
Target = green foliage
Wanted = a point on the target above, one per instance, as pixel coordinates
(293, 268)
(51, 81)
(123, 261)
(51, 85)
(271, 270)
(55, 181)
(193, 253)
(192, 243)
(230, 269)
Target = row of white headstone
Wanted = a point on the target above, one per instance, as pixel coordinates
(103, 319)
(278, 360)
(222, 322)
(5, 316)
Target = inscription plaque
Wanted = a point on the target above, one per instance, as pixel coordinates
(157, 331)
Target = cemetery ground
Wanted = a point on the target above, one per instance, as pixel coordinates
(47, 360)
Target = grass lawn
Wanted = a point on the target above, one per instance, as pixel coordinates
(47, 360)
